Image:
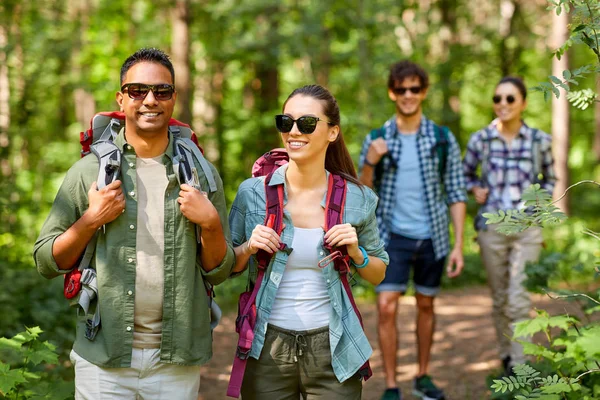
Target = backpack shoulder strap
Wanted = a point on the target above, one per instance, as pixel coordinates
(186, 148)
(441, 145)
(536, 155)
(334, 213)
(273, 218)
(377, 133)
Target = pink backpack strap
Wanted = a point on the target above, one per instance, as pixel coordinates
(246, 319)
(334, 212)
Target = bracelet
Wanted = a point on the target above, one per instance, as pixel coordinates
(367, 162)
(365, 256)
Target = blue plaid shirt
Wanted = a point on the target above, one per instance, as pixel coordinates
(350, 348)
(437, 196)
(508, 170)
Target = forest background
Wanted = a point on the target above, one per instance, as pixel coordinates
(236, 62)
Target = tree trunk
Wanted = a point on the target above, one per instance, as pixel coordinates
(596, 145)
(85, 104)
(450, 45)
(4, 106)
(560, 113)
(180, 53)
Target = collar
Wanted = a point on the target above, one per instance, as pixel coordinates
(121, 142)
(278, 178)
(524, 131)
(393, 127)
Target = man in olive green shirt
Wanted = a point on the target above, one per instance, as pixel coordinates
(155, 323)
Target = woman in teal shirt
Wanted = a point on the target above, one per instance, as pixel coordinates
(308, 338)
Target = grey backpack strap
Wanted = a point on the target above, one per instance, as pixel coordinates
(89, 290)
(212, 184)
(536, 156)
(109, 158)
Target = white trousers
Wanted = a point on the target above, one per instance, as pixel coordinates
(146, 379)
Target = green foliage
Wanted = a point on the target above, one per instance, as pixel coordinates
(572, 348)
(539, 211)
(24, 378)
(585, 29)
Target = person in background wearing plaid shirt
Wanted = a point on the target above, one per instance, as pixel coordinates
(511, 156)
(416, 188)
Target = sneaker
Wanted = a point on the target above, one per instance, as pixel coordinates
(507, 369)
(424, 388)
(392, 394)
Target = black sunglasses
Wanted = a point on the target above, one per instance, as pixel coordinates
(509, 99)
(306, 123)
(402, 90)
(139, 91)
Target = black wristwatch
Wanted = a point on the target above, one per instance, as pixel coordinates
(368, 163)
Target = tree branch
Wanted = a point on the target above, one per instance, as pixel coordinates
(572, 186)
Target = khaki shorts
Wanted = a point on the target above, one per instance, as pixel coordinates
(296, 365)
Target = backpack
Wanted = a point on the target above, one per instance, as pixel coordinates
(80, 284)
(334, 210)
(441, 148)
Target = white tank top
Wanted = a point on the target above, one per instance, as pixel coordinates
(302, 301)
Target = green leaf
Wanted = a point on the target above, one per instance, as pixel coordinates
(555, 79)
(9, 379)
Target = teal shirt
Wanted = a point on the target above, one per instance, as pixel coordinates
(186, 336)
(350, 348)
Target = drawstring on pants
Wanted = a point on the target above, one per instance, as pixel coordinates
(299, 343)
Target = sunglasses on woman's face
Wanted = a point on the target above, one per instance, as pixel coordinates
(306, 123)
(139, 91)
(509, 99)
(402, 90)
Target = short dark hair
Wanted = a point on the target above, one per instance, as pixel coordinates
(406, 69)
(147, 55)
(516, 82)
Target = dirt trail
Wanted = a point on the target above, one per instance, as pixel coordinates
(464, 352)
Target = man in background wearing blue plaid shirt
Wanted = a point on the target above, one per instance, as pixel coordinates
(416, 187)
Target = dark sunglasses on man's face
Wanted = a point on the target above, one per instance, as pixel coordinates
(402, 90)
(509, 99)
(306, 123)
(139, 91)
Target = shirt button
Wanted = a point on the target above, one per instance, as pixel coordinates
(321, 253)
(129, 292)
(128, 147)
(130, 260)
(132, 193)
(128, 329)
(328, 281)
(131, 164)
(335, 304)
(131, 226)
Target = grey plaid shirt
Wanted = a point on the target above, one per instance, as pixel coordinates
(439, 193)
(511, 168)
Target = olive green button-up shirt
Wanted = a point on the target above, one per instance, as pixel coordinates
(186, 335)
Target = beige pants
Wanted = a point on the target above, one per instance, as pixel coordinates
(504, 258)
(147, 378)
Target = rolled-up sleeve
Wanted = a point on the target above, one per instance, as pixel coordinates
(454, 181)
(223, 270)
(64, 212)
(368, 232)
